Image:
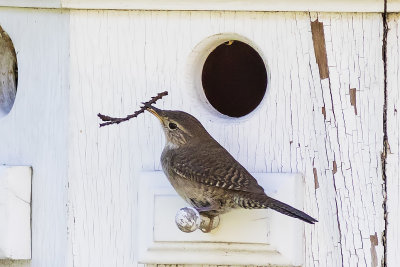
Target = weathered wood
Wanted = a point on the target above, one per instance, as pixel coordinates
(353, 98)
(250, 5)
(120, 58)
(393, 130)
(318, 36)
(35, 132)
(74, 64)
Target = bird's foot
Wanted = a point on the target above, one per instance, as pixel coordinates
(208, 223)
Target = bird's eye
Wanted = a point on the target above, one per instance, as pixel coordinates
(172, 126)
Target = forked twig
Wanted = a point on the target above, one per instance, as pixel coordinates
(111, 120)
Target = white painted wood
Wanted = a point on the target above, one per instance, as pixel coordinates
(252, 5)
(120, 58)
(35, 132)
(393, 156)
(31, 3)
(15, 212)
(242, 237)
(221, 5)
(74, 64)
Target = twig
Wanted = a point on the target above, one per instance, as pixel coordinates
(110, 120)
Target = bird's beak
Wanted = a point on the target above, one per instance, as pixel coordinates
(155, 111)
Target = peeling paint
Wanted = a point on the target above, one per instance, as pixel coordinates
(385, 148)
(334, 170)
(374, 243)
(318, 37)
(353, 102)
(315, 178)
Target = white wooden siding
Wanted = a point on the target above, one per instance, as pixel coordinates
(221, 5)
(121, 58)
(393, 130)
(34, 132)
(74, 64)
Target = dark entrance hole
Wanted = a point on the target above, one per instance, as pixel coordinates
(234, 78)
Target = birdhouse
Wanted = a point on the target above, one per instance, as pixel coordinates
(303, 94)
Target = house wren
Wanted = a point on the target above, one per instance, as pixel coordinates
(205, 175)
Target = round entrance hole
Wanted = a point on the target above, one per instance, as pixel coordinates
(8, 73)
(234, 78)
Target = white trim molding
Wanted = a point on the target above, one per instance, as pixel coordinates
(262, 237)
(219, 5)
(15, 212)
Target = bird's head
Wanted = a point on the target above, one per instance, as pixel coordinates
(179, 127)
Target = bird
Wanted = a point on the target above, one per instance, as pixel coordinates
(205, 174)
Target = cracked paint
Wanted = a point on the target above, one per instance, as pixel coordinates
(334, 170)
(318, 36)
(315, 178)
(323, 112)
(352, 92)
(374, 242)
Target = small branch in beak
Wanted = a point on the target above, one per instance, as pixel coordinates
(146, 106)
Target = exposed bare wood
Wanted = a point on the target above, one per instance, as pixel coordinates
(353, 102)
(318, 36)
(315, 178)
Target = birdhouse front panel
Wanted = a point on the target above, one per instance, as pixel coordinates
(305, 123)
(304, 101)
(34, 134)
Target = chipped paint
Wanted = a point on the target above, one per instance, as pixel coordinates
(318, 37)
(374, 242)
(334, 170)
(315, 178)
(353, 102)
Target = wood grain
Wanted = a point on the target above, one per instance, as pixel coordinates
(35, 131)
(74, 64)
(393, 130)
(119, 58)
(221, 5)
(318, 36)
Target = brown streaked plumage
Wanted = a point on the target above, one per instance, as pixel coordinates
(205, 174)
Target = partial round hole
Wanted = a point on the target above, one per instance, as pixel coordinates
(8, 73)
(234, 78)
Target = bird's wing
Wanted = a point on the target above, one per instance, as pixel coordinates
(214, 166)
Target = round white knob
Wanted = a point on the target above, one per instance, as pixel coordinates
(188, 219)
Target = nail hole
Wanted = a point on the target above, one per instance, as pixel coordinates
(234, 78)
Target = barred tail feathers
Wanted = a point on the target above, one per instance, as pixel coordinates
(290, 211)
(264, 201)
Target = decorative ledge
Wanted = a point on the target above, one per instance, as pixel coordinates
(15, 212)
(251, 5)
(249, 237)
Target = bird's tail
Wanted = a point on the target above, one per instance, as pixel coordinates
(264, 201)
(290, 211)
